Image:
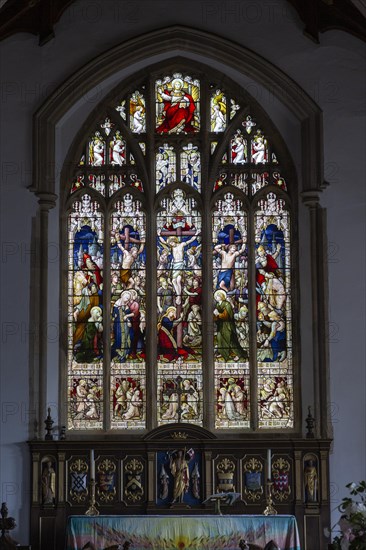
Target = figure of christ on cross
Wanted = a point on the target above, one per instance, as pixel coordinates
(177, 248)
(228, 253)
(175, 408)
(128, 255)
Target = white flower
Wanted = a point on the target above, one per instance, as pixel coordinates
(352, 486)
(361, 508)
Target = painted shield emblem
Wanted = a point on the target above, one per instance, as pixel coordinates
(78, 482)
(281, 482)
(253, 481)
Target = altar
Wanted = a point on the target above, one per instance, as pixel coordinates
(193, 532)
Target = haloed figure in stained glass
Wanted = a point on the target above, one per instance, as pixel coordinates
(179, 108)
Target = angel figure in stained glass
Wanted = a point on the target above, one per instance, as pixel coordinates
(239, 149)
(118, 150)
(179, 108)
(96, 150)
(218, 112)
(259, 148)
(137, 113)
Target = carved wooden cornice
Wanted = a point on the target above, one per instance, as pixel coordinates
(40, 16)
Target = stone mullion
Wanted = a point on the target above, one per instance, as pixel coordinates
(208, 369)
(46, 202)
(151, 284)
(317, 240)
(106, 323)
(252, 310)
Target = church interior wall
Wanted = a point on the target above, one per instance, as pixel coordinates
(331, 73)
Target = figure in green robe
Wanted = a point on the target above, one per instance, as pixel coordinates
(228, 346)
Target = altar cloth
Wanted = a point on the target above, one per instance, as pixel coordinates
(196, 532)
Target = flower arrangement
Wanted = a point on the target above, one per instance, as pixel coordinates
(352, 523)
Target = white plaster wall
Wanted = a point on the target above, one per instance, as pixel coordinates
(332, 73)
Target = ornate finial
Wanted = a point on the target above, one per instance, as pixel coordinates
(310, 422)
(63, 433)
(49, 423)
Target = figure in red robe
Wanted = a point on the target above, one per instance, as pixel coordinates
(167, 346)
(178, 110)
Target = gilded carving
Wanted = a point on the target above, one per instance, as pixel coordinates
(106, 486)
(134, 490)
(281, 489)
(225, 471)
(78, 469)
(179, 435)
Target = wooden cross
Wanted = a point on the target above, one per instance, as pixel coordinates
(127, 238)
(179, 391)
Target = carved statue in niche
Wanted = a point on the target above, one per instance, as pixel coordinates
(48, 483)
(179, 468)
(311, 481)
(164, 483)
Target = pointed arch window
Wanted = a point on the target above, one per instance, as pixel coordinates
(180, 279)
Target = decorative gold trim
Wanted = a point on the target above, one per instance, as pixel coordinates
(179, 435)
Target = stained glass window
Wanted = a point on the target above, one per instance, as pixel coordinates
(179, 272)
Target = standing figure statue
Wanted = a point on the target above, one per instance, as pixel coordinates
(179, 467)
(311, 482)
(48, 482)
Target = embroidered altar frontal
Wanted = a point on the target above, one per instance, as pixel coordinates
(181, 533)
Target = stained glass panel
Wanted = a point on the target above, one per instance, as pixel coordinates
(238, 149)
(218, 111)
(190, 162)
(85, 401)
(85, 312)
(234, 107)
(165, 166)
(121, 109)
(128, 313)
(181, 144)
(259, 181)
(259, 149)
(117, 150)
(179, 303)
(78, 183)
(137, 113)
(232, 398)
(274, 323)
(237, 179)
(177, 104)
(180, 398)
(231, 324)
(128, 399)
(97, 150)
(107, 126)
(97, 182)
